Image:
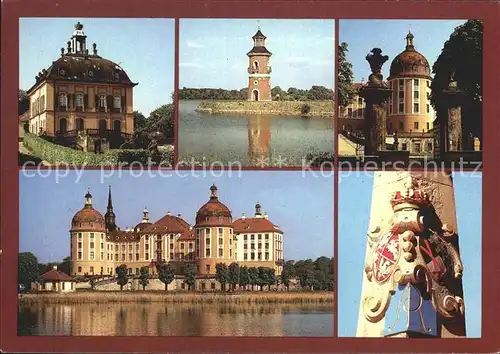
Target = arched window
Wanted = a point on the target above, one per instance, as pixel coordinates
(256, 66)
(255, 95)
(80, 124)
(117, 102)
(63, 100)
(117, 125)
(63, 125)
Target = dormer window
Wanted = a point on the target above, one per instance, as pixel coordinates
(91, 73)
(116, 76)
(62, 72)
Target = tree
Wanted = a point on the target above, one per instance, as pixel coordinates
(166, 273)
(346, 89)
(308, 279)
(24, 102)
(144, 277)
(65, 265)
(162, 120)
(320, 93)
(122, 275)
(270, 277)
(234, 275)
(287, 273)
(190, 276)
(27, 271)
(253, 275)
(222, 274)
(244, 277)
(462, 57)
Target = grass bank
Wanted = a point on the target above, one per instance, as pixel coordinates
(281, 108)
(56, 154)
(178, 297)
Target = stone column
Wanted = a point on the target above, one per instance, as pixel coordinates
(376, 93)
(412, 283)
(457, 139)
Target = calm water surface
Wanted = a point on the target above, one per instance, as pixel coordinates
(250, 139)
(159, 319)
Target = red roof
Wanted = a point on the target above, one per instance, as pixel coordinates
(169, 224)
(56, 275)
(254, 225)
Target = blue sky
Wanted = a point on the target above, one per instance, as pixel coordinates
(143, 47)
(212, 52)
(389, 35)
(353, 220)
(301, 207)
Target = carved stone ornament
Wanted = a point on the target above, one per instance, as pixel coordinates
(414, 262)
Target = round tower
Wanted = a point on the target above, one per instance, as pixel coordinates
(214, 235)
(410, 109)
(259, 70)
(88, 241)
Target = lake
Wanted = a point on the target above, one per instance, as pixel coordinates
(164, 319)
(252, 140)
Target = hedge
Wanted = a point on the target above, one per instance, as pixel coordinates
(57, 154)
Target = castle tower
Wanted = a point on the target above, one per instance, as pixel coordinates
(410, 109)
(412, 282)
(259, 70)
(110, 216)
(214, 235)
(88, 241)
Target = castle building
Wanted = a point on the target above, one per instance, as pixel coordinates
(82, 99)
(259, 70)
(410, 114)
(99, 246)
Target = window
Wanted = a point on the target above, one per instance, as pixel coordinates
(221, 241)
(221, 252)
(182, 246)
(123, 257)
(207, 252)
(79, 269)
(245, 256)
(267, 236)
(401, 125)
(349, 112)
(220, 230)
(360, 100)
(429, 147)
(415, 125)
(245, 246)
(401, 107)
(147, 246)
(147, 256)
(63, 100)
(401, 84)
(267, 245)
(415, 95)
(92, 245)
(171, 246)
(415, 82)
(212, 286)
(207, 267)
(102, 101)
(91, 255)
(428, 108)
(416, 107)
(92, 270)
(245, 237)
(417, 147)
(79, 245)
(80, 255)
(79, 101)
(171, 256)
(117, 102)
(190, 245)
(252, 237)
(207, 241)
(252, 256)
(130, 257)
(102, 256)
(404, 147)
(428, 125)
(401, 95)
(267, 256)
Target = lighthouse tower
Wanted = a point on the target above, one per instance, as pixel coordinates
(259, 70)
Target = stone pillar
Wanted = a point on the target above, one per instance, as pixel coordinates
(457, 139)
(412, 283)
(376, 94)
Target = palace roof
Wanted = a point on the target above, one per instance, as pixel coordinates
(249, 225)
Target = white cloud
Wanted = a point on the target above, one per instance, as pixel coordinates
(191, 65)
(193, 44)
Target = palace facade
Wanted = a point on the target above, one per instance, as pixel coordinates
(99, 246)
(82, 99)
(410, 114)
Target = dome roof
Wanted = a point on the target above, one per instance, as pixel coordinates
(409, 63)
(88, 217)
(213, 210)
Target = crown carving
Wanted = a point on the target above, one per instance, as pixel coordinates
(410, 198)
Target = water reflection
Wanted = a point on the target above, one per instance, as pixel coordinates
(251, 139)
(158, 319)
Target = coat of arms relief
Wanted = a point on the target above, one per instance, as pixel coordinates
(413, 268)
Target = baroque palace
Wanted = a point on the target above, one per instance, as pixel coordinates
(82, 99)
(410, 113)
(98, 245)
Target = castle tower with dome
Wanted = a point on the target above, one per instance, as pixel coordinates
(82, 99)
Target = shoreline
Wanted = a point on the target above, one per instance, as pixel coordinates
(323, 109)
(149, 296)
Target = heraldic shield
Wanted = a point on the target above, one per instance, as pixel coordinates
(413, 270)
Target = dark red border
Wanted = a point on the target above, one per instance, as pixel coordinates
(12, 10)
